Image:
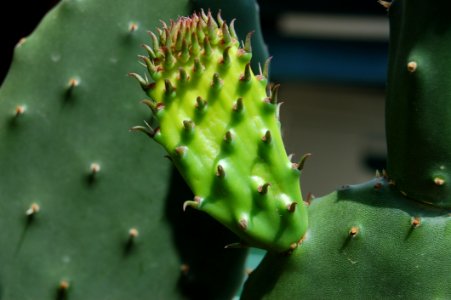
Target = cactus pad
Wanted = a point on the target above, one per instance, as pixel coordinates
(219, 123)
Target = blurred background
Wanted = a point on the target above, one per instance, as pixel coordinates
(330, 58)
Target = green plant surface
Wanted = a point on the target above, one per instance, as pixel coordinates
(418, 93)
(364, 242)
(88, 210)
(221, 130)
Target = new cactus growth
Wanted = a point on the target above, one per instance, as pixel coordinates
(219, 123)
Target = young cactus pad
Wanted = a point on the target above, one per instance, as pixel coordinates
(219, 124)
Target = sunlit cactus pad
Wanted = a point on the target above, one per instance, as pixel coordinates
(219, 123)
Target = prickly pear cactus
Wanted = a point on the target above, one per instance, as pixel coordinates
(219, 123)
(390, 237)
(88, 211)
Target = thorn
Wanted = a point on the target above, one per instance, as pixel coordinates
(184, 268)
(412, 66)
(168, 88)
(169, 59)
(228, 137)
(226, 37)
(385, 4)
(243, 224)
(378, 186)
(263, 189)
(180, 151)
(133, 234)
(247, 44)
(190, 203)
(63, 288)
(301, 163)
(232, 29)
(415, 222)
(439, 181)
(33, 210)
(378, 175)
(200, 103)
(147, 130)
(292, 207)
(353, 231)
(219, 18)
(247, 73)
(267, 137)
(183, 76)
(274, 95)
(154, 107)
(236, 246)
(207, 47)
(188, 125)
(216, 82)
(238, 106)
(21, 42)
(149, 51)
(220, 171)
(384, 174)
(155, 42)
(95, 168)
(184, 56)
(143, 82)
(266, 67)
(198, 67)
(20, 109)
(309, 198)
(225, 60)
(73, 83)
(132, 27)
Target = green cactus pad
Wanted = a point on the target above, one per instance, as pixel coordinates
(381, 246)
(219, 124)
(418, 100)
(87, 210)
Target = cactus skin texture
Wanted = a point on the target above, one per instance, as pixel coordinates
(88, 211)
(420, 68)
(221, 130)
(373, 241)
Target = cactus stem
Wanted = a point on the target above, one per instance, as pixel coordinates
(267, 137)
(95, 168)
(132, 27)
(412, 66)
(300, 165)
(200, 103)
(228, 137)
(439, 181)
(33, 210)
(220, 172)
(20, 109)
(246, 76)
(292, 206)
(415, 222)
(353, 231)
(263, 189)
(238, 105)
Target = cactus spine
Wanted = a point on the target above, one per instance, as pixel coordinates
(219, 123)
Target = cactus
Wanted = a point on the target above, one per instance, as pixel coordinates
(87, 210)
(221, 130)
(390, 237)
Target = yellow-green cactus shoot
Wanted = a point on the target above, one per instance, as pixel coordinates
(219, 123)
